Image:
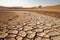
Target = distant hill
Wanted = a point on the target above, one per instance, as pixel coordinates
(1, 7)
(57, 5)
(53, 7)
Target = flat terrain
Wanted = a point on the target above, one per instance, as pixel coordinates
(53, 7)
(20, 25)
(49, 10)
(30, 24)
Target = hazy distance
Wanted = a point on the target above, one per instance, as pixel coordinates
(28, 3)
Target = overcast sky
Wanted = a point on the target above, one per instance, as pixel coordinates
(28, 3)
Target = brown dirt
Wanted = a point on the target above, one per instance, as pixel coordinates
(49, 11)
(53, 7)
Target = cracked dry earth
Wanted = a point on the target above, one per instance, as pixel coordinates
(29, 26)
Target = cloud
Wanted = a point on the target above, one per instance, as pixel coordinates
(28, 3)
(16, 3)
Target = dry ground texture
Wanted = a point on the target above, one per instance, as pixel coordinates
(49, 10)
(32, 25)
(21, 25)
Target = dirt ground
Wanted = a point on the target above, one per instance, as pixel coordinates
(49, 11)
(30, 24)
(21, 25)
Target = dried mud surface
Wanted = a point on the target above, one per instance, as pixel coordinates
(28, 26)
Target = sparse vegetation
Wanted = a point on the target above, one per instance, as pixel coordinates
(39, 6)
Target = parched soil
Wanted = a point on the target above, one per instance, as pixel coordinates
(53, 7)
(45, 11)
(28, 26)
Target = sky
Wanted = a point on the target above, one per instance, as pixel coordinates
(28, 3)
